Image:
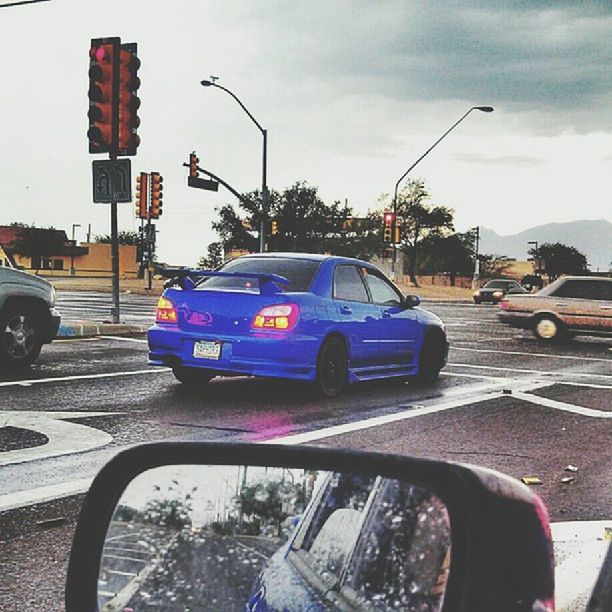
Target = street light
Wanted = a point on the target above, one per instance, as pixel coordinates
(264, 185)
(484, 109)
(476, 276)
(536, 255)
(72, 245)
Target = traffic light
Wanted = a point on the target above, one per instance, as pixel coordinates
(389, 218)
(102, 54)
(193, 165)
(129, 102)
(274, 227)
(156, 195)
(142, 209)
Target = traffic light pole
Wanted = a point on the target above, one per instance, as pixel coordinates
(115, 310)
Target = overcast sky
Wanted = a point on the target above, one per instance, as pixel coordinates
(351, 94)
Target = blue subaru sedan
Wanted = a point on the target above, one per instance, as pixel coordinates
(330, 320)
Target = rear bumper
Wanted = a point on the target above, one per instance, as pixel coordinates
(269, 354)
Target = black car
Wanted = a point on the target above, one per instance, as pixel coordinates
(494, 290)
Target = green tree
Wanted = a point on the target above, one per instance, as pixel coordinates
(38, 243)
(214, 257)
(123, 238)
(558, 259)
(494, 266)
(452, 255)
(417, 220)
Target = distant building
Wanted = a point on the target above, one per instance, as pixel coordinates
(48, 252)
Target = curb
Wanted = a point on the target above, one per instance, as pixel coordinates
(80, 329)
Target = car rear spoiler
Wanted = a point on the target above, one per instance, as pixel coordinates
(184, 278)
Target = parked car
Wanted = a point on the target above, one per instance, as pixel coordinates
(331, 320)
(28, 318)
(494, 290)
(570, 305)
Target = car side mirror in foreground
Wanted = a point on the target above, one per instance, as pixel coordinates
(411, 301)
(213, 526)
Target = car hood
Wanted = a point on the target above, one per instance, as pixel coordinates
(9, 275)
(429, 317)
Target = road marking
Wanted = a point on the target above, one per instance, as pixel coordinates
(40, 381)
(70, 340)
(480, 376)
(133, 559)
(571, 357)
(526, 371)
(580, 550)
(337, 430)
(591, 385)
(256, 552)
(120, 573)
(63, 438)
(550, 403)
(124, 339)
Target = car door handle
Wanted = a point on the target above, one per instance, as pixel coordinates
(386, 314)
(345, 310)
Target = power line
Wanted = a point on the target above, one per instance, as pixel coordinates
(20, 2)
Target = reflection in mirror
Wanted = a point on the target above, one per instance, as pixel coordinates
(203, 537)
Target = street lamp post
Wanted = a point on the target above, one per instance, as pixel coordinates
(484, 109)
(72, 245)
(536, 255)
(264, 180)
(476, 277)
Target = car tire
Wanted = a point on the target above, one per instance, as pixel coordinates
(548, 328)
(21, 330)
(192, 377)
(431, 359)
(332, 367)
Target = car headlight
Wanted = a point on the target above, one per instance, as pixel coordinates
(476, 293)
(498, 294)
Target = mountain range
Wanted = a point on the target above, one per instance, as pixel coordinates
(593, 238)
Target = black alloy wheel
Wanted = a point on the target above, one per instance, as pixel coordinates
(20, 337)
(192, 377)
(332, 367)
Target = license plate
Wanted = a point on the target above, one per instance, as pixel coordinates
(207, 350)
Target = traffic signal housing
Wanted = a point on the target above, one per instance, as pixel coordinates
(389, 219)
(128, 100)
(274, 227)
(102, 55)
(155, 211)
(142, 208)
(193, 165)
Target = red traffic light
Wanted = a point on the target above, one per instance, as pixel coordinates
(156, 195)
(389, 217)
(101, 75)
(193, 165)
(128, 103)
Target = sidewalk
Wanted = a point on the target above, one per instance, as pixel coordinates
(84, 329)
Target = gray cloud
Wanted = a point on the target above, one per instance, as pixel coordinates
(522, 161)
(549, 60)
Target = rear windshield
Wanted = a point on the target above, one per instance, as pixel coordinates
(299, 273)
(496, 285)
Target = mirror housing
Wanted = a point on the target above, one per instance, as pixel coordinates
(411, 301)
(501, 547)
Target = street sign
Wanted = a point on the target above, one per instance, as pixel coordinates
(112, 180)
(200, 183)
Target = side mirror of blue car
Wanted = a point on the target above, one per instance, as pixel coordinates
(411, 301)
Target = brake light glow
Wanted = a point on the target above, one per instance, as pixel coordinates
(279, 317)
(166, 312)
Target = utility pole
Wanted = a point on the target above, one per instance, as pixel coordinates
(476, 277)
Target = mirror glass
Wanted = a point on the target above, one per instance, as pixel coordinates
(209, 537)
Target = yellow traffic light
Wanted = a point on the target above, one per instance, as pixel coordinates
(142, 210)
(157, 188)
(274, 227)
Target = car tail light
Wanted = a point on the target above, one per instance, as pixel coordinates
(166, 312)
(282, 317)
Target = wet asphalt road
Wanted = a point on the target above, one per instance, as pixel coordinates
(504, 401)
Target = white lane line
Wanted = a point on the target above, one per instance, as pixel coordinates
(571, 357)
(481, 340)
(526, 371)
(31, 497)
(336, 430)
(122, 338)
(479, 376)
(120, 573)
(577, 384)
(252, 550)
(550, 403)
(133, 559)
(71, 340)
(40, 381)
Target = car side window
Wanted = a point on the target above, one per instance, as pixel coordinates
(348, 284)
(381, 290)
(586, 290)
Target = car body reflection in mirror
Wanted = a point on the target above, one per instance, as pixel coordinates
(235, 537)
